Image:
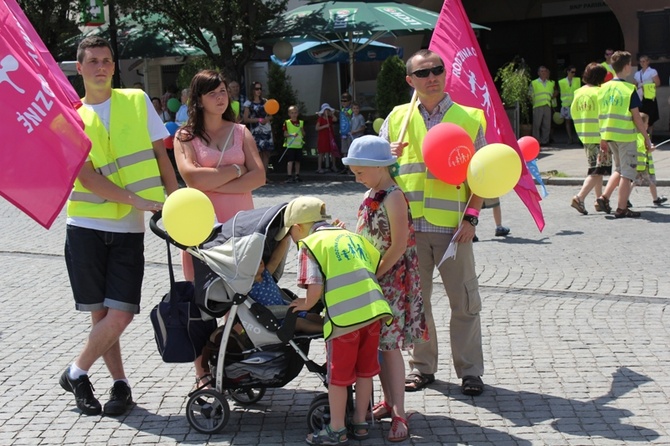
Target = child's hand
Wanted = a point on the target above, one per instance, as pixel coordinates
(299, 304)
(652, 148)
(339, 223)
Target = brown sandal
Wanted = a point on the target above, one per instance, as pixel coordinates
(416, 381)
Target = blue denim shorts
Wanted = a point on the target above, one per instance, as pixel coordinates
(105, 269)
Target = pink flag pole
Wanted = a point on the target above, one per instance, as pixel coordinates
(469, 83)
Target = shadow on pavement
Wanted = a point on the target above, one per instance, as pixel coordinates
(593, 418)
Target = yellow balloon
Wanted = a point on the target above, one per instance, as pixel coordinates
(558, 118)
(188, 216)
(494, 170)
(377, 125)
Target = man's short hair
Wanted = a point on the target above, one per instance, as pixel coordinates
(92, 42)
(425, 53)
(619, 60)
(594, 74)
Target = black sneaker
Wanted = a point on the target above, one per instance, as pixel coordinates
(290, 180)
(298, 179)
(120, 399)
(83, 393)
(502, 231)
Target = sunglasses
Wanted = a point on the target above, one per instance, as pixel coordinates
(608, 54)
(345, 100)
(573, 72)
(426, 71)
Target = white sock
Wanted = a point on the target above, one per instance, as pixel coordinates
(125, 380)
(75, 372)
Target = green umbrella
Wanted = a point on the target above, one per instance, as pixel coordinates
(134, 42)
(342, 23)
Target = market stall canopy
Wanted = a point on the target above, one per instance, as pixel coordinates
(342, 23)
(314, 53)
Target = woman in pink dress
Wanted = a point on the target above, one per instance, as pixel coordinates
(216, 155)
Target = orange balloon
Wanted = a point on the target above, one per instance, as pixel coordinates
(271, 107)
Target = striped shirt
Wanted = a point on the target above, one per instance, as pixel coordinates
(431, 120)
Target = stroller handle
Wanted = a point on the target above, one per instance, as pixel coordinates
(153, 224)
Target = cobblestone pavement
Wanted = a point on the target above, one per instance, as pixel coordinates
(576, 327)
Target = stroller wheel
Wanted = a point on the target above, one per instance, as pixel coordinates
(207, 411)
(318, 414)
(247, 396)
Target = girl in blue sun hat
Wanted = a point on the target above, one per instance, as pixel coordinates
(385, 220)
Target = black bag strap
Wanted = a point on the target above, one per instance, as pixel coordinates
(173, 288)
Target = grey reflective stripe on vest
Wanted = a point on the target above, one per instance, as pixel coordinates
(353, 303)
(618, 130)
(413, 196)
(616, 116)
(144, 184)
(442, 205)
(410, 168)
(107, 169)
(589, 134)
(347, 279)
(586, 121)
(135, 158)
(86, 197)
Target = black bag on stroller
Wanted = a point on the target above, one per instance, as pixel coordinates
(179, 329)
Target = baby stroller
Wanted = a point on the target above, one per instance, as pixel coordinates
(252, 350)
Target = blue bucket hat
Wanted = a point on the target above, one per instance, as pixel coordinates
(369, 151)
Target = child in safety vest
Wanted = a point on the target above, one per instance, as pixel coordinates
(338, 267)
(646, 173)
(294, 140)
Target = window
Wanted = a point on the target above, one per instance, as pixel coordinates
(654, 33)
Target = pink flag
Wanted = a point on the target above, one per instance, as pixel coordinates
(469, 83)
(43, 141)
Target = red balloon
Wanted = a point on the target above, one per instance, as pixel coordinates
(609, 76)
(530, 148)
(447, 150)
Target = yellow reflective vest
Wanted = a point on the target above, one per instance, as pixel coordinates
(543, 94)
(584, 112)
(644, 158)
(352, 295)
(294, 142)
(615, 118)
(568, 90)
(438, 202)
(125, 156)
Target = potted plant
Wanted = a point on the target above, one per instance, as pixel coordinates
(514, 80)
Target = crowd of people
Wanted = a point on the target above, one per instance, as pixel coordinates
(405, 224)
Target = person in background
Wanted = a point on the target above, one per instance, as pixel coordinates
(236, 100)
(182, 114)
(345, 124)
(164, 114)
(294, 139)
(607, 63)
(646, 172)
(326, 146)
(618, 120)
(542, 92)
(647, 81)
(585, 111)
(357, 121)
(437, 221)
(259, 123)
(217, 156)
(104, 242)
(567, 87)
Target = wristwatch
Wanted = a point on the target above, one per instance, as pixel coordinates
(471, 219)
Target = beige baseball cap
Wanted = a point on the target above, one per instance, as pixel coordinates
(302, 210)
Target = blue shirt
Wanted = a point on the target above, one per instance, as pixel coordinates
(267, 292)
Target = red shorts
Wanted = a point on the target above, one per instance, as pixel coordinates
(353, 355)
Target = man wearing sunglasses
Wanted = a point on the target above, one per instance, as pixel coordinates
(567, 87)
(437, 212)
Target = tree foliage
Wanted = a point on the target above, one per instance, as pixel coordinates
(392, 88)
(514, 79)
(226, 30)
(54, 20)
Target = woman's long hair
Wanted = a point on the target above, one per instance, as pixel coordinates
(202, 83)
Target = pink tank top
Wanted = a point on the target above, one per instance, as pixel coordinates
(225, 205)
